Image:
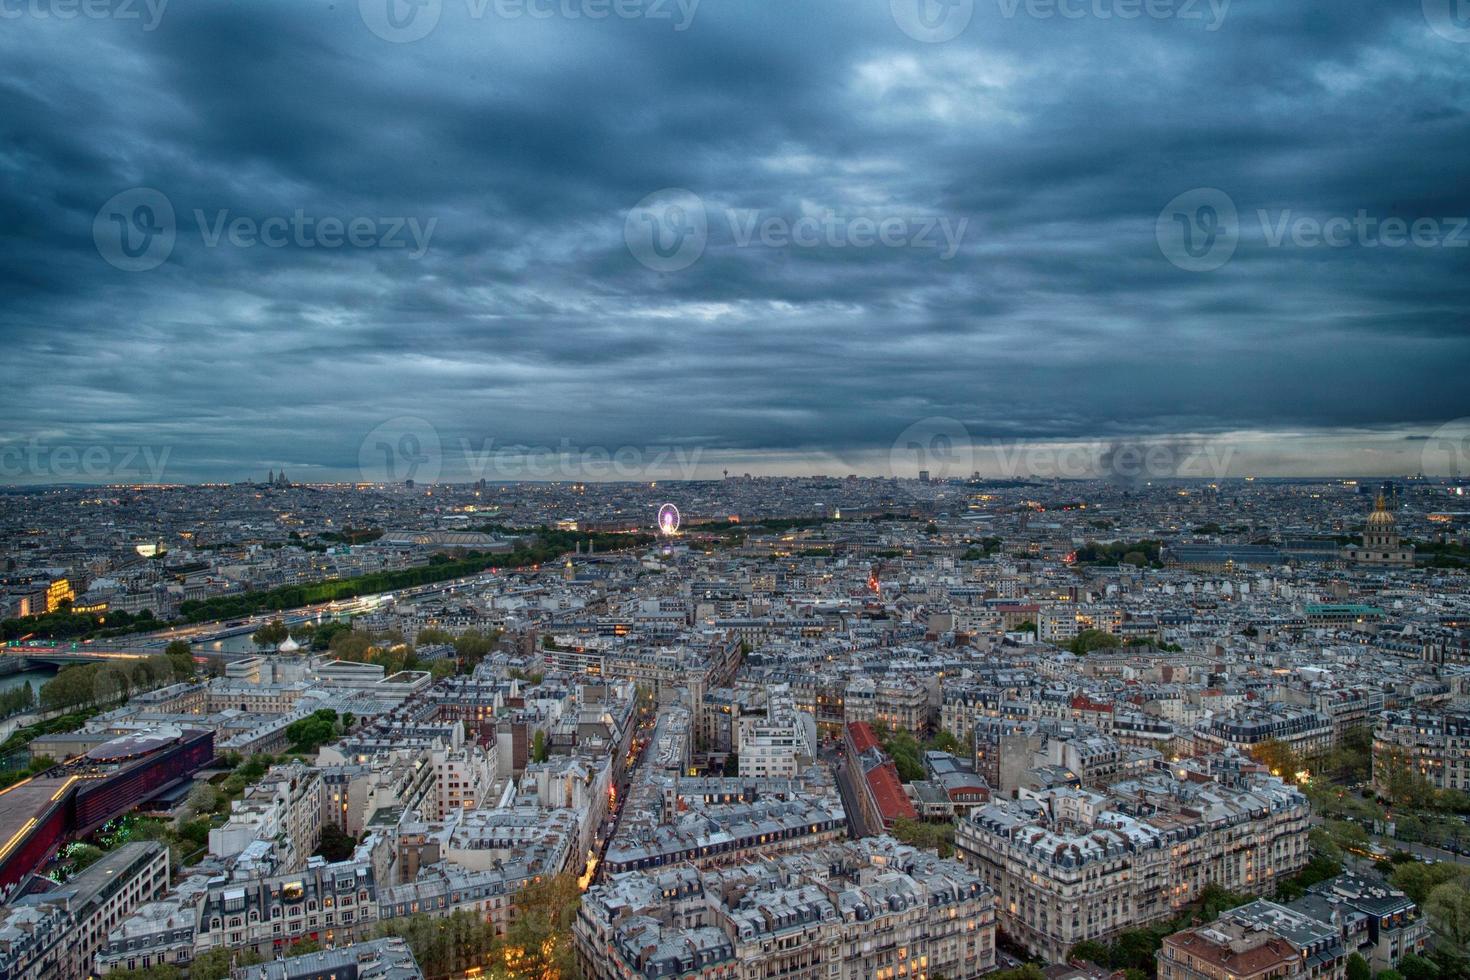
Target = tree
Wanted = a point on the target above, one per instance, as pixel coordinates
(1415, 967)
(1276, 756)
(337, 844)
(350, 644)
(322, 636)
(945, 741)
(1090, 640)
(270, 635)
(83, 856)
(1418, 880)
(544, 913)
(1358, 968)
(79, 685)
(1093, 951)
(1448, 908)
(539, 752)
(213, 964)
(312, 732)
(303, 946)
(165, 971)
(926, 836)
(205, 798)
(472, 647)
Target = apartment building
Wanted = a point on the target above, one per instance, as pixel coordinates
(779, 743)
(855, 911)
(283, 811)
(56, 931)
(1429, 744)
(1069, 865)
(1303, 730)
(1258, 946)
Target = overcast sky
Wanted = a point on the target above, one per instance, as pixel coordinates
(781, 236)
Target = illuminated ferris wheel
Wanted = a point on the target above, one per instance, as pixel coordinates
(668, 520)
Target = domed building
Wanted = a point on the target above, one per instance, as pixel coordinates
(1381, 541)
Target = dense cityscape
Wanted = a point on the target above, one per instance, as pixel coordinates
(752, 727)
(734, 490)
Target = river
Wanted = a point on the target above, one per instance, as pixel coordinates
(37, 676)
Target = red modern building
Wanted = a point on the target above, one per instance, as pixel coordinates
(72, 800)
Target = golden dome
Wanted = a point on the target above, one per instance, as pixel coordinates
(1381, 516)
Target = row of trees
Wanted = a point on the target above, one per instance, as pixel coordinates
(17, 700)
(101, 684)
(546, 545)
(1144, 552)
(215, 964)
(63, 624)
(391, 652)
(1134, 949)
(538, 943)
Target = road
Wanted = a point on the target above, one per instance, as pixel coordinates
(217, 629)
(614, 819)
(1390, 844)
(857, 824)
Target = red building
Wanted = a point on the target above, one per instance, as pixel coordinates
(68, 801)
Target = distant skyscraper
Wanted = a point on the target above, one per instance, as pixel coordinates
(923, 476)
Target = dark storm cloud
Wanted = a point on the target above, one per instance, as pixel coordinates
(516, 147)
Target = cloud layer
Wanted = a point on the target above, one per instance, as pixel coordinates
(1055, 136)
